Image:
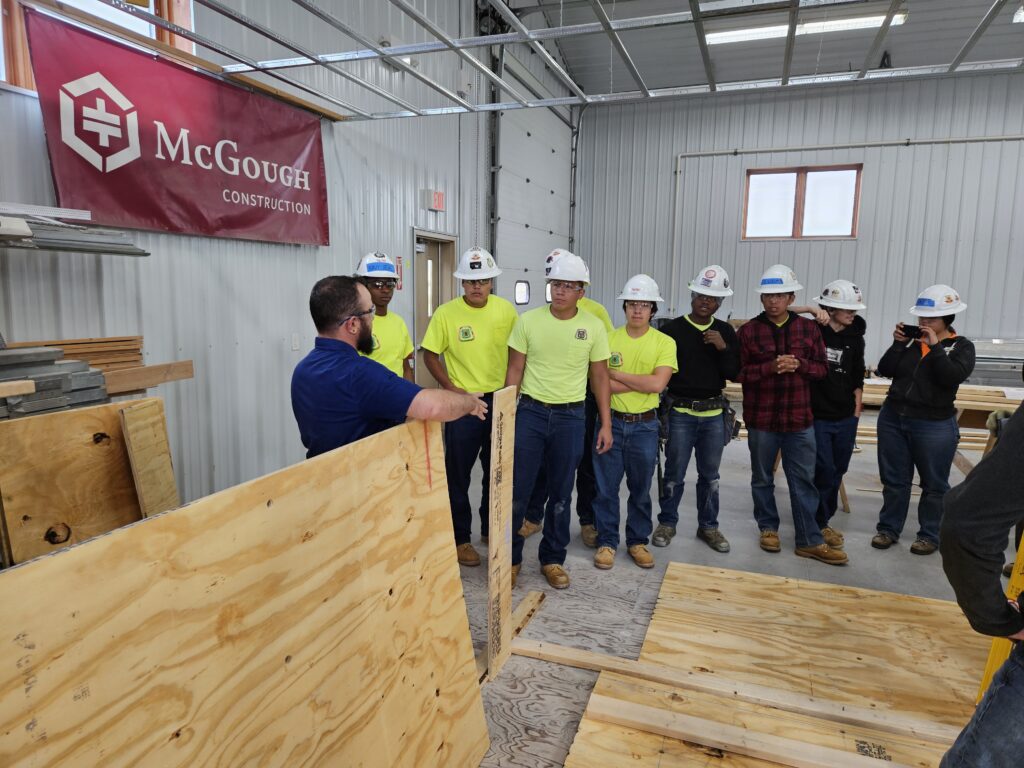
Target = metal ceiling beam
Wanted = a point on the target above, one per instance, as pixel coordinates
(248, 23)
(394, 61)
(983, 25)
(513, 21)
(880, 36)
(787, 62)
(619, 47)
(712, 8)
(224, 51)
(702, 43)
(474, 62)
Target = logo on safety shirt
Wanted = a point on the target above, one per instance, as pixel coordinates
(376, 342)
(466, 333)
(581, 334)
(835, 356)
(615, 360)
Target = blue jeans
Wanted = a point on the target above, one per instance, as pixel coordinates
(798, 452)
(835, 441)
(705, 437)
(552, 438)
(634, 452)
(905, 443)
(586, 485)
(994, 738)
(466, 439)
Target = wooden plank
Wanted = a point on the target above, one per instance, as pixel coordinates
(499, 545)
(61, 342)
(149, 453)
(962, 463)
(29, 355)
(17, 387)
(718, 735)
(64, 478)
(135, 379)
(874, 718)
(314, 616)
(843, 498)
(525, 611)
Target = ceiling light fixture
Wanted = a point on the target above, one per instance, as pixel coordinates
(807, 28)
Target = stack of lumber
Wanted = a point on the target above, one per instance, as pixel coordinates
(758, 670)
(58, 384)
(107, 354)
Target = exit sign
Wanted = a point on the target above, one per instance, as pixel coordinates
(433, 199)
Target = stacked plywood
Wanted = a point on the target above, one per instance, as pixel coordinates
(59, 384)
(760, 670)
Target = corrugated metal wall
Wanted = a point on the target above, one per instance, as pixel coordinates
(940, 213)
(234, 306)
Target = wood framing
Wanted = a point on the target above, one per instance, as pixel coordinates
(499, 546)
(19, 66)
(314, 616)
(149, 453)
(799, 201)
(64, 478)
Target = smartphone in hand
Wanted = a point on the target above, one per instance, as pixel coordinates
(912, 331)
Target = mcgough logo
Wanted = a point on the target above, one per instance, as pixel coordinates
(98, 119)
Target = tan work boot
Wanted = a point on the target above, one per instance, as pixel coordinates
(641, 556)
(589, 535)
(529, 528)
(604, 558)
(467, 555)
(833, 538)
(770, 541)
(824, 553)
(515, 572)
(556, 575)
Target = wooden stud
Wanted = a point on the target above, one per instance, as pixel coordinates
(843, 498)
(145, 434)
(499, 546)
(139, 378)
(17, 387)
(525, 611)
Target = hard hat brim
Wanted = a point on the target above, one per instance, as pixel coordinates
(485, 275)
(710, 291)
(838, 304)
(918, 312)
(779, 289)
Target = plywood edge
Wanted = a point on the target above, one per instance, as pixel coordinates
(149, 453)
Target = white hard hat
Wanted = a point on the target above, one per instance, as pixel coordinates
(640, 288)
(711, 281)
(377, 264)
(560, 264)
(841, 294)
(778, 278)
(937, 301)
(477, 264)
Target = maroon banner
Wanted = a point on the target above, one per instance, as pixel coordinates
(145, 143)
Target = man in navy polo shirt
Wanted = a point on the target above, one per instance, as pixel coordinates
(338, 396)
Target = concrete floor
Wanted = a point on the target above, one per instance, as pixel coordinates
(534, 708)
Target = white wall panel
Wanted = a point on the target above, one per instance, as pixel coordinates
(934, 213)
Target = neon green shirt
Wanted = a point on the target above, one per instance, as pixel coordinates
(558, 353)
(699, 414)
(474, 341)
(391, 342)
(597, 310)
(642, 356)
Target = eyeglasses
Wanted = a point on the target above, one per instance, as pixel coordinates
(562, 285)
(639, 305)
(485, 281)
(381, 285)
(357, 315)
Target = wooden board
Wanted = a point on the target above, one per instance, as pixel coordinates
(149, 453)
(314, 616)
(499, 544)
(120, 381)
(65, 472)
(859, 649)
(17, 387)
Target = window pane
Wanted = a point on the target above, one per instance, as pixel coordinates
(522, 292)
(3, 55)
(122, 19)
(828, 204)
(770, 201)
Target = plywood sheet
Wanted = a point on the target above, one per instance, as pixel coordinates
(310, 617)
(149, 452)
(64, 478)
(499, 546)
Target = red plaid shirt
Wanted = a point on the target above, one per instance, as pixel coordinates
(779, 402)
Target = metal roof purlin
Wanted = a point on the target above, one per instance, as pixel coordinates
(702, 43)
(880, 36)
(619, 47)
(787, 62)
(987, 19)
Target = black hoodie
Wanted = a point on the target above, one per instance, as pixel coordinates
(832, 398)
(925, 387)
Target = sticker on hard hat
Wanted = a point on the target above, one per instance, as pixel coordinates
(923, 302)
(771, 281)
(949, 299)
(615, 360)
(490, 262)
(725, 282)
(710, 273)
(476, 264)
(380, 266)
(705, 281)
(581, 334)
(466, 333)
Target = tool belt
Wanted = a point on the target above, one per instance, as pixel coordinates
(699, 406)
(633, 418)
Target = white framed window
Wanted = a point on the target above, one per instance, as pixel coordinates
(802, 203)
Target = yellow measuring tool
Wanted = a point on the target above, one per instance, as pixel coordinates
(1001, 647)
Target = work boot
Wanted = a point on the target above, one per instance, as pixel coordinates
(604, 558)
(1008, 570)
(556, 575)
(641, 556)
(824, 553)
(770, 541)
(589, 535)
(467, 555)
(515, 572)
(833, 537)
(529, 528)
(882, 541)
(714, 539)
(663, 535)
(923, 547)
